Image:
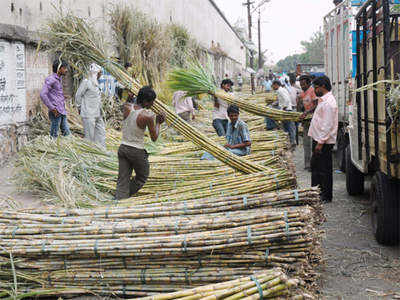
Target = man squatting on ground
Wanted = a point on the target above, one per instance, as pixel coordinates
(52, 96)
(88, 101)
(323, 130)
(220, 118)
(237, 135)
(307, 103)
(285, 103)
(183, 105)
(131, 153)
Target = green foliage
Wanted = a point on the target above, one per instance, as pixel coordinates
(195, 79)
(313, 53)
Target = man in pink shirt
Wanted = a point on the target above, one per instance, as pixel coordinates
(183, 105)
(323, 131)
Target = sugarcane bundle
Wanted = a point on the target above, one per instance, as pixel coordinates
(80, 174)
(265, 284)
(197, 80)
(71, 36)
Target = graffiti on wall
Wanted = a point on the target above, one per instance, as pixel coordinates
(12, 82)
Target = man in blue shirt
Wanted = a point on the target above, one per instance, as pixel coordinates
(237, 135)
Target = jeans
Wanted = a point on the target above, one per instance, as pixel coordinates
(321, 171)
(58, 122)
(270, 123)
(94, 130)
(290, 128)
(220, 126)
(129, 159)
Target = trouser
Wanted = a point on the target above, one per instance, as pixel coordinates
(58, 122)
(220, 126)
(290, 128)
(94, 130)
(321, 171)
(307, 141)
(270, 123)
(129, 159)
(185, 115)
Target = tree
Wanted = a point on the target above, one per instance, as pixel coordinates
(313, 53)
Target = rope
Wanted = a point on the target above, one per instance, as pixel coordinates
(260, 291)
(249, 235)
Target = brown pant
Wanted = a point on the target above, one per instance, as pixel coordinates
(131, 158)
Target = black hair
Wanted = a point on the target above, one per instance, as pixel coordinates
(306, 78)
(146, 94)
(323, 81)
(292, 78)
(233, 109)
(57, 64)
(276, 82)
(226, 81)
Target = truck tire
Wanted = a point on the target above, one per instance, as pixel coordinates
(385, 199)
(354, 178)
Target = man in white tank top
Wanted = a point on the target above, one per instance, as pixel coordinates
(131, 153)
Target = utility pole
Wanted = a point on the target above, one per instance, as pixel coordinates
(248, 4)
(260, 59)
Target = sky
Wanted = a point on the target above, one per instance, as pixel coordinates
(285, 23)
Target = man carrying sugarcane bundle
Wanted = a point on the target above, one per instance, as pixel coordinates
(237, 135)
(284, 103)
(306, 104)
(323, 131)
(220, 118)
(183, 105)
(88, 102)
(131, 153)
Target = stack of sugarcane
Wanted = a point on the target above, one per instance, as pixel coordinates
(271, 284)
(197, 79)
(80, 174)
(75, 40)
(113, 252)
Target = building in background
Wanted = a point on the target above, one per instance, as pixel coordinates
(23, 69)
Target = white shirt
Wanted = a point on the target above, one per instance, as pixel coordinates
(220, 113)
(324, 124)
(88, 99)
(293, 92)
(284, 99)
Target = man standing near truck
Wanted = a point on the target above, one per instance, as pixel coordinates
(323, 131)
(306, 104)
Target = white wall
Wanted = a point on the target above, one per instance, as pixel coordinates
(198, 16)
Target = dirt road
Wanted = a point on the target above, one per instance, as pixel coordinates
(354, 265)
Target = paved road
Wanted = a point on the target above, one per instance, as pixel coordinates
(355, 266)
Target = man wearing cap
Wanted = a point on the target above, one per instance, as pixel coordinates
(88, 101)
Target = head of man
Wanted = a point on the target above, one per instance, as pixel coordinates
(337, 2)
(305, 82)
(146, 97)
(226, 85)
(322, 86)
(233, 113)
(276, 84)
(60, 67)
(292, 79)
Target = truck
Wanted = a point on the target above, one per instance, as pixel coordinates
(362, 57)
